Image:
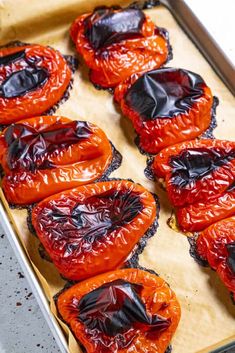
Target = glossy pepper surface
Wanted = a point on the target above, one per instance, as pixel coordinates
(33, 78)
(199, 178)
(94, 228)
(115, 43)
(45, 155)
(216, 245)
(200, 215)
(166, 106)
(128, 310)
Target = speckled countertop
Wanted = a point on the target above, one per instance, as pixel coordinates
(22, 327)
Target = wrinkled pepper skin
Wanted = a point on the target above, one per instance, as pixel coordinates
(45, 155)
(128, 310)
(166, 106)
(199, 178)
(196, 170)
(33, 78)
(115, 43)
(216, 245)
(200, 215)
(94, 228)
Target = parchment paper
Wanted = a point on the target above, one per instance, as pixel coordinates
(207, 311)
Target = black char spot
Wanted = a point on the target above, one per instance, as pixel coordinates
(164, 93)
(29, 149)
(105, 27)
(8, 59)
(115, 308)
(23, 81)
(194, 164)
(231, 256)
(93, 220)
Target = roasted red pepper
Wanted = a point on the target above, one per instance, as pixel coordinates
(199, 215)
(94, 228)
(45, 155)
(166, 106)
(33, 78)
(216, 245)
(124, 311)
(199, 177)
(196, 170)
(115, 43)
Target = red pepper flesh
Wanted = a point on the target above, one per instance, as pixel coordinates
(199, 178)
(216, 245)
(81, 229)
(128, 310)
(45, 155)
(166, 106)
(33, 78)
(115, 43)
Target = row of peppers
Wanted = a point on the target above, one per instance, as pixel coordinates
(42, 158)
(173, 113)
(82, 228)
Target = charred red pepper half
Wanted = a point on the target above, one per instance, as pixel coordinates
(166, 106)
(128, 310)
(115, 43)
(199, 215)
(199, 178)
(33, 78)
(216, 245)
(45, 155)
(94, 228)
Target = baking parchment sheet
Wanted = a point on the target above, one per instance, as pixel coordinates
(207, 310)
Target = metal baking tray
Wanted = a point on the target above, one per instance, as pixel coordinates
(224, 68)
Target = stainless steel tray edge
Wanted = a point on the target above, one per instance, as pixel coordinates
(225, 349)
(32, 280)
(218, 60)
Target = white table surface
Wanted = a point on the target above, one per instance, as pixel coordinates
(22, 326)
(218, 17)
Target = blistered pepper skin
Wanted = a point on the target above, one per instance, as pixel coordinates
(216, 245)
(160, 116)
(157, 300)
(33, 78)
(45, 155)
(125, 41)
(196, 170)
(82, 229)
(200, 215)
(199, 178)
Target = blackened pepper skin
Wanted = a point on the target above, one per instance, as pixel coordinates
(45, 155)
(196, 170)
(30, 73)
(105, 27)
(22, 82)
(164, 93)
(124, 310)
(216, 245)
(199, 178)
(115, 43)
(166, 106)
(121, 311)
(82, 229)
(28, 150)
(200, 173)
